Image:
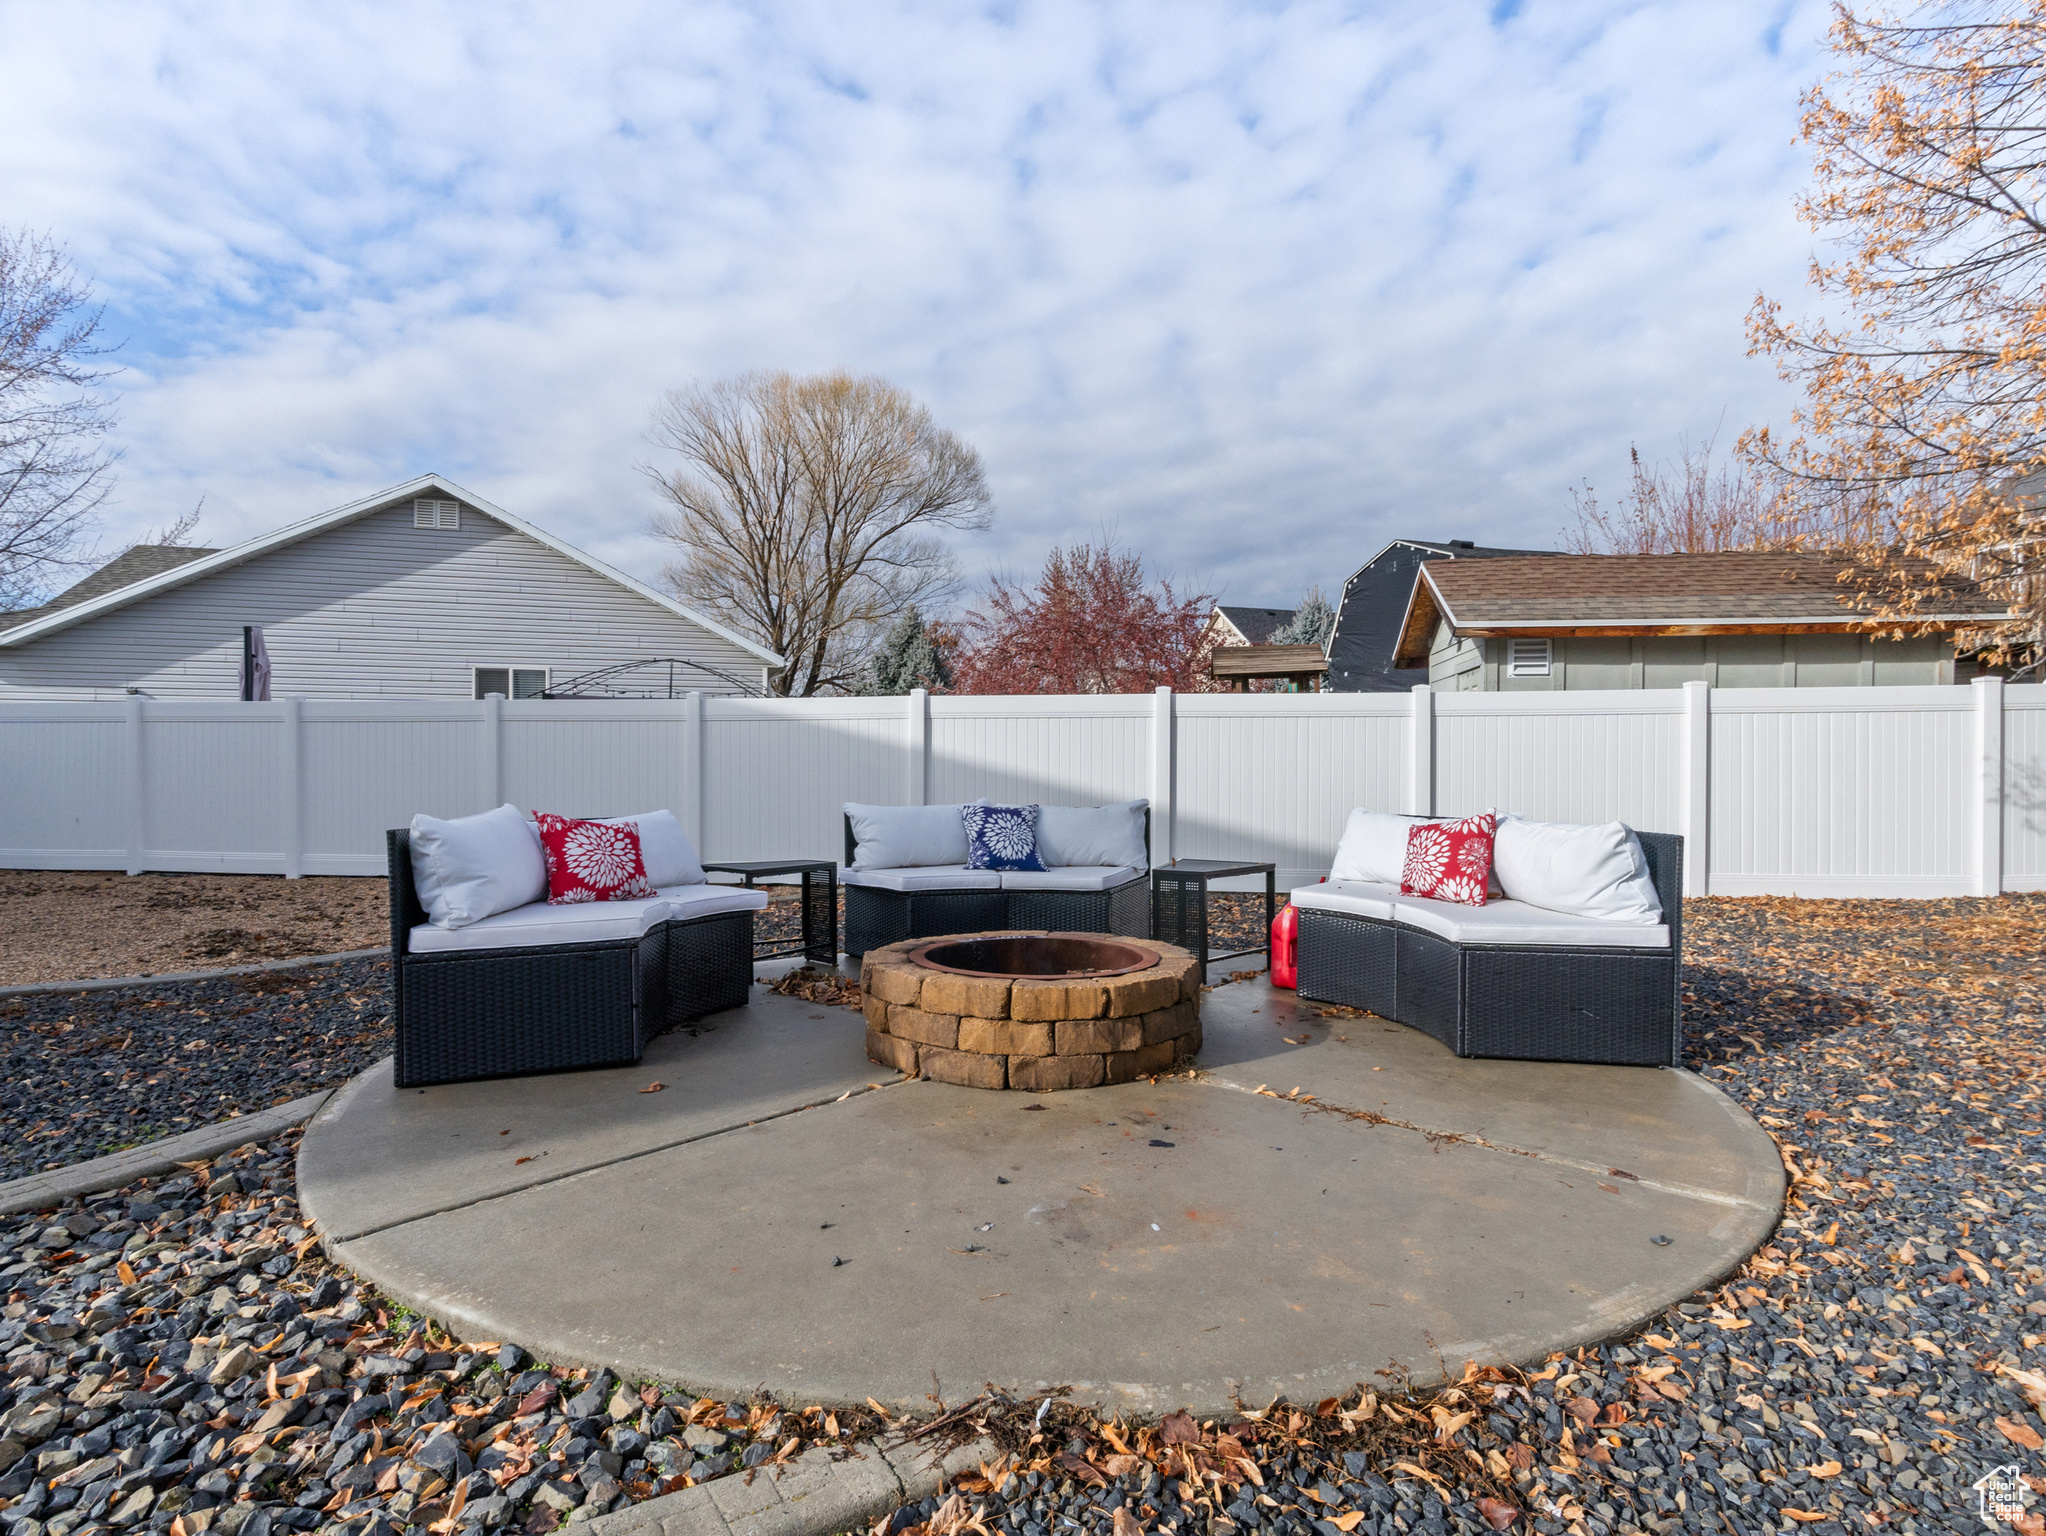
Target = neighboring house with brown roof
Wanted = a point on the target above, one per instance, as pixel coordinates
(1737, 620)
(421, 591)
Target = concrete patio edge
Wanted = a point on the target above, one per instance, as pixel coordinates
(109, 983)
(822, 1491)
(156, 1157)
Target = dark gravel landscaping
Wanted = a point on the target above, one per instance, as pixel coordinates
(86, 1073)
(1863, 1370)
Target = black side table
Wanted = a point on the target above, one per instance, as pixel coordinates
(1179, 905)
(820, 903)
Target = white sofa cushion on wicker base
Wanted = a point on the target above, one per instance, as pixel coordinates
(687, 901)
(1359, 898)
(1070, 877)
(588, 922)
(1517, 923)
(928, 877)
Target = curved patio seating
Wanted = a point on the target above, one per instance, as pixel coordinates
(1505, 979)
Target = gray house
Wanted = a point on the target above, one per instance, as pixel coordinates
(1740, 620)
(421, 591)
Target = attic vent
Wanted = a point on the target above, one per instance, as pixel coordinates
(436, 514)
(1527, 658)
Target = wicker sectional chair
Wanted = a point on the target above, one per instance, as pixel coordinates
(927, 906)
(1569, 998)
(463, 1013)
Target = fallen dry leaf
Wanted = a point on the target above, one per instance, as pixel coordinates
(2020, 1434)
(653, 1087)
(1498, 1514)
(1825, 1469)
(1126, 1523)
(1806, 1516)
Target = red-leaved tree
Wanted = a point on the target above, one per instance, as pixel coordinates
(1091, 623)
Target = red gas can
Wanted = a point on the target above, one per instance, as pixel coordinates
(1285, 934)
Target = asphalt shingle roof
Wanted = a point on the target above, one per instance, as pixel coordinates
(124, 570)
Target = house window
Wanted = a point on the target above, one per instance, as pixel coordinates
(512, 682)
(436, 514)
(1527, 658)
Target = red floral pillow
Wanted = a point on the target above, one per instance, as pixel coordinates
(592, 861)
(1450, 860)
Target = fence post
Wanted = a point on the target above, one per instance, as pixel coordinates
(294, 787)
(138, 789)
(1420, 798)
(493, 752)
(917, 764)
(1697, 788)
(692, 771)
(1164, 734)
(1987, 800)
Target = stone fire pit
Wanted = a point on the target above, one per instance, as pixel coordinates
(1036, 1011)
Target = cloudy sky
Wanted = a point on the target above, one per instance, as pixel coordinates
(1254, 287)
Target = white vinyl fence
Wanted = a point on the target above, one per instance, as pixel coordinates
(1819, 792)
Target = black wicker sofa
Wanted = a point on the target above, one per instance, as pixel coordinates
(1516, 983)
(500, 1007)
(886, 906)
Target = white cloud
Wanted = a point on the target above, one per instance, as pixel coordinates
(1257, 286)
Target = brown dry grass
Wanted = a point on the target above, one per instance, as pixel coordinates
(70, 925)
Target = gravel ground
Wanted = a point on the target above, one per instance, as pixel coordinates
(1864, 1369)
(86, 1073)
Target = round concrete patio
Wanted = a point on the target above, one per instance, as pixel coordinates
(785, 1214)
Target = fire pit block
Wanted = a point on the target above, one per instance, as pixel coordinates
(1033, 1011)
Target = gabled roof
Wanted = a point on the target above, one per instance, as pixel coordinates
(1454, 548)
(1369, 611)
(137, 564)
(1734, 592)
(1256, 624)
(52, 618)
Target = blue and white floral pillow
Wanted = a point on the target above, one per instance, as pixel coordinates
(1001, 837)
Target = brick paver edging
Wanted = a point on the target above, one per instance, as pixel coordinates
(155, 1157)
(814, 1495)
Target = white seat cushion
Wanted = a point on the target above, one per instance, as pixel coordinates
(586, 922)
(1515, 922)
(929, 877)
(664, 848)
(1070, 877)
(1092, 836)
(469, 868)
(1597, 872)
(1359, 898)
(908, 836)
(694, 900)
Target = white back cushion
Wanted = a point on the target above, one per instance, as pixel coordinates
(472, 867)
(665, 848)
(1374, 848)
(1585, 871)
(1093, 834)
(907, 836)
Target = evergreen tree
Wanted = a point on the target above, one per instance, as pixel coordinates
(908, 658)
(1312, 623)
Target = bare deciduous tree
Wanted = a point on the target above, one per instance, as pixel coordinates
(808, 513)
(1923, 431)
(54, 468)
(1687, 508)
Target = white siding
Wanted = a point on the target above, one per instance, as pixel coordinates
(372, 608)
